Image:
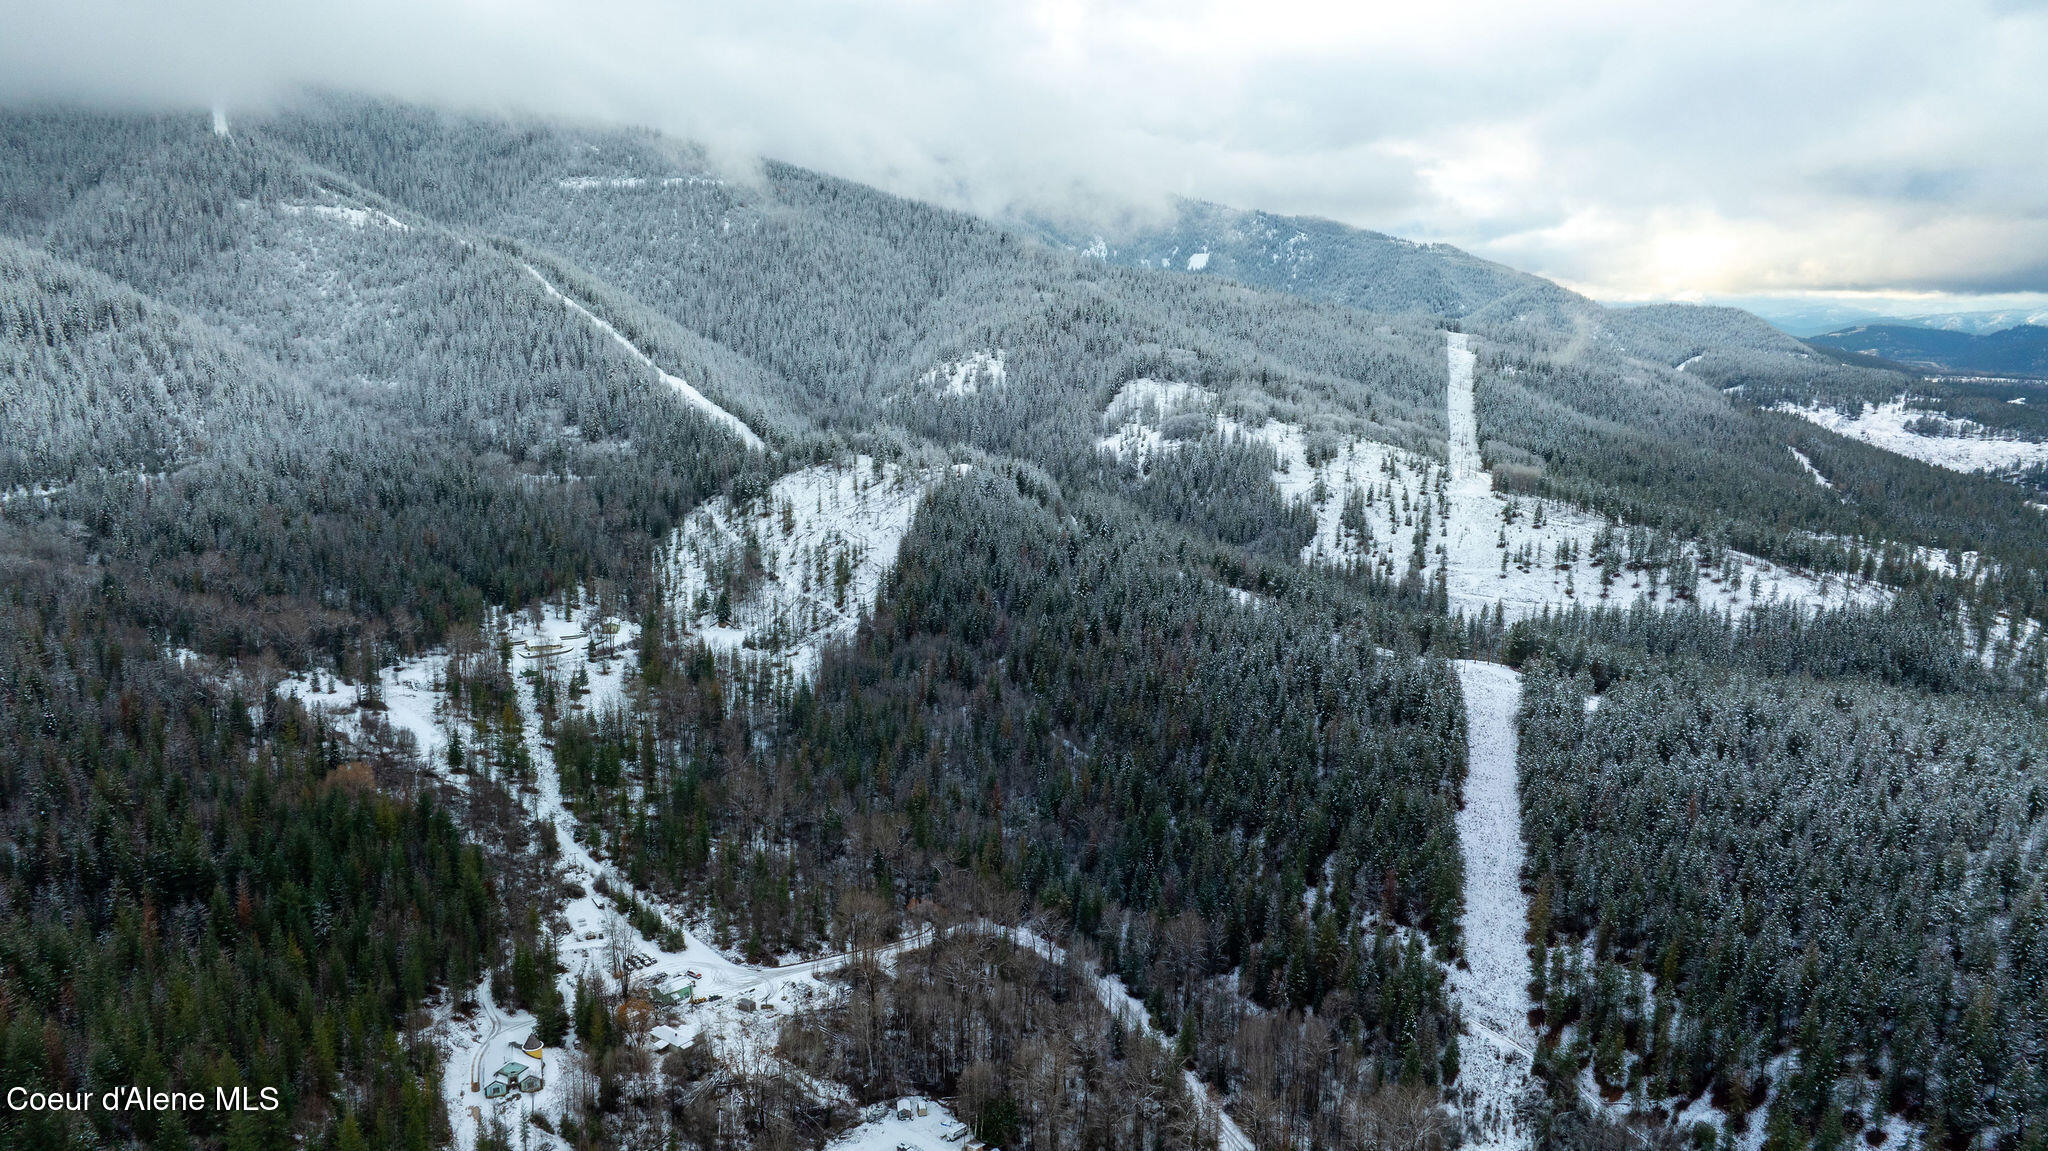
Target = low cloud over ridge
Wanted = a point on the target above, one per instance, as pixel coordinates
(1742, 148)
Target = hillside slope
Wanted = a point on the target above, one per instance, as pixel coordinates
(465, 575)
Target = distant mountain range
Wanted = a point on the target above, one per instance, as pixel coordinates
(1324, 260)
(2021, 350)
(1977, 323)
(1320, 259)
(1807, 318)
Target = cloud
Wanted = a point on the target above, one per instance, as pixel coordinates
(1630, 150)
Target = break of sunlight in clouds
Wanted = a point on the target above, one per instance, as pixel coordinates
(1633, 151)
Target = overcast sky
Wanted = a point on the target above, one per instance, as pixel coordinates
(1890, 151)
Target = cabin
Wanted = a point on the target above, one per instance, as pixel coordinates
(531, 1046)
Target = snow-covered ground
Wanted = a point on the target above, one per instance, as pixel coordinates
(1136, 420)
(1969, 446)
(1479, 521)
(559, 643)
(1468, 528)
(598, 943)
(1466, 468)
(683, 388)
(982, 371)
(587, 183)
(935, 1130)
(808, 560)
(347, 214)
(1807, 465)
(737, 1006)
(30, 492)
(1493, 991)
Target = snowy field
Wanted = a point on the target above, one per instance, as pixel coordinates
(1969, 446)
(786, 575)
(1372, 500)
(683, 388)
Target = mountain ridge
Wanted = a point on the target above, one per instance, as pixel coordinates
(2020, 350)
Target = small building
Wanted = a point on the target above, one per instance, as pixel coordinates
(531, 1046)
(530, 1083)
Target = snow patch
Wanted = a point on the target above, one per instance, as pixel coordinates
(785, 575)
(1807, 465)
(1250, 599)
(588, 183)
(1137, 417)
(969, 376)
(1198, 261)
(348, 215)
(1966, 447)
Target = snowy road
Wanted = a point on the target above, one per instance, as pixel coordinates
(684, 388)
(1493, 993)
